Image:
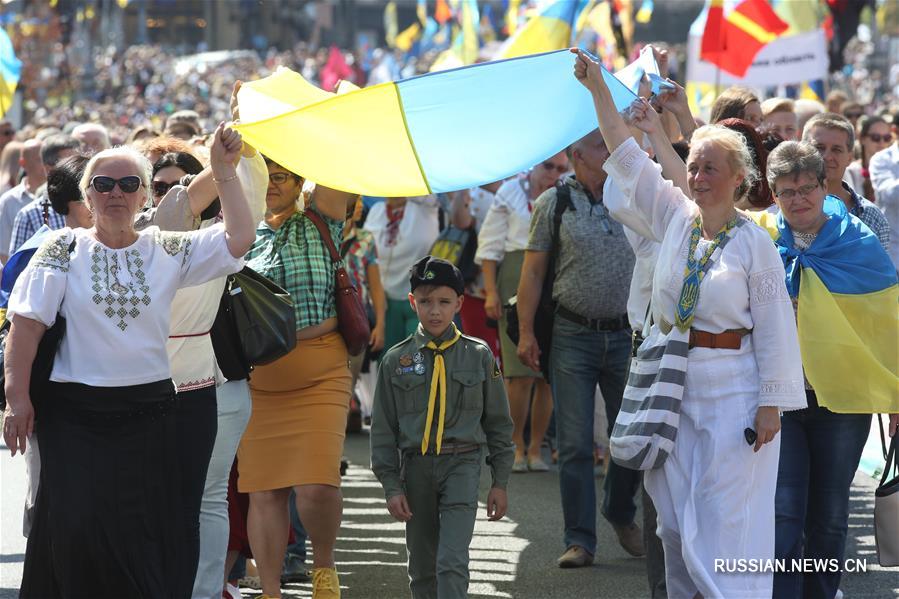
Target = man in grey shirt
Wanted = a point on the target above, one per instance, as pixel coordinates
(590, 344)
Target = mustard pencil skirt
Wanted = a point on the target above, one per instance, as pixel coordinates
(297, 428)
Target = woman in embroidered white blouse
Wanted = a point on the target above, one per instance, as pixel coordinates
(715, 492)
(106, 421)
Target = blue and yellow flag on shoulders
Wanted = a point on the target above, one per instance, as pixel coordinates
(848, 311)
(10, 68)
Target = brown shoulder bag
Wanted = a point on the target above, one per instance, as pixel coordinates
(352, 321)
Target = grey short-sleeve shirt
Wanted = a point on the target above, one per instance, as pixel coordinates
(595, 265)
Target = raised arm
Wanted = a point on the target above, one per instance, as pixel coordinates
(647, 120)
(332, 202)
(674, 102)
(612, 126)
(240, 230)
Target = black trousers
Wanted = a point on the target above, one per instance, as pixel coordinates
(196, 423)
(108, 522)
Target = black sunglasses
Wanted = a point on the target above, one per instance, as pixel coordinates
(128, 184)
(160, 188)
(7, 133)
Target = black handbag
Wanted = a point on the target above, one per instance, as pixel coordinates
(43, 361)
(263, 318)
(42, 366)
(226, 342)
(546, 309)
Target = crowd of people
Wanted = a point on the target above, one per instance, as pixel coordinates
(152, 470)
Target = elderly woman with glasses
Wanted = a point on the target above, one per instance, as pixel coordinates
(843, 286)
(109, 516)
(719, 283)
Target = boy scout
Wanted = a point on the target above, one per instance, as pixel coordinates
(439, 400)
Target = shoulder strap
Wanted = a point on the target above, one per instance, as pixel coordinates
(563, 202)
(316, 220)
(891, 467)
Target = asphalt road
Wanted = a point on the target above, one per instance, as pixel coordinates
(514, 558)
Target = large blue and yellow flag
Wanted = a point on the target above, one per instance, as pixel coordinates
(848, 313)
(10, 69)
(433, 133)
(550, 29)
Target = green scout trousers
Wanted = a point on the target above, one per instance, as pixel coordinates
(442, 492)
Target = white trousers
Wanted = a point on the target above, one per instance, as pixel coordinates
(233, 403)
(714, 495)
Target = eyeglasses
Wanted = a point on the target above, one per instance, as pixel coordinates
(7, 133)
(128, 184)
(280, 178)
(555, 167)
(853, 115)
(160, 188)
(790, 194)
(877, 138)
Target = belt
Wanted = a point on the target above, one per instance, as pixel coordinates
(730, 339)
(596, 324)
(449, 449)
(188, 335)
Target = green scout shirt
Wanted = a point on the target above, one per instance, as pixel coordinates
(477, 410)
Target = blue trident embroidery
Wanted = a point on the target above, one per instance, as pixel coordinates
(695, 271)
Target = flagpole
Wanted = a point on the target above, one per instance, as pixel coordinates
(717, 81)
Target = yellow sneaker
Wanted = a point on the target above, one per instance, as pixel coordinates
(325, 584)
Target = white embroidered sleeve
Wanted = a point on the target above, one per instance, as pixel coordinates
(204, 254)
(40, 289)
(774, 336)
(647, 202)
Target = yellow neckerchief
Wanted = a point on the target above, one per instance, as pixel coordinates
(438, 379)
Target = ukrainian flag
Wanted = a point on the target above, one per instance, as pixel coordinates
(433, 133)
(10, 69)
(550, 29)
(848, 312)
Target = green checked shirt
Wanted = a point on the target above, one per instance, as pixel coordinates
(295, 257)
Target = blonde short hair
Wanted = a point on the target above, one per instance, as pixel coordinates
(738, 154)
(141, 164)
(772, 105)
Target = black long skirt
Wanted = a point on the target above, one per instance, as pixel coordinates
(108, 520)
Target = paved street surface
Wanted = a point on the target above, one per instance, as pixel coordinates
(514, 558)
